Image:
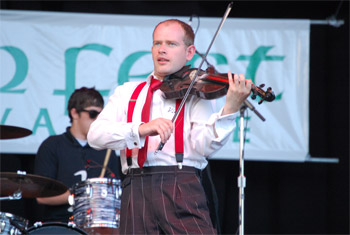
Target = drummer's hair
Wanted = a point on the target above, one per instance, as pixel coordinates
(82, 98)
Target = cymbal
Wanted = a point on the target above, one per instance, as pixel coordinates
(12, 132)
(31, 186)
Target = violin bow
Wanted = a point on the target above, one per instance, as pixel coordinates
(227, 12)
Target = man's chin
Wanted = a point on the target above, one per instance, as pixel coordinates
(163, 73)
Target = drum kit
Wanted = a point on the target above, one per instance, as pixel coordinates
(95, 202)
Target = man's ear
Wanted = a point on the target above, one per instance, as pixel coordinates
(74, 113)
(191, 50)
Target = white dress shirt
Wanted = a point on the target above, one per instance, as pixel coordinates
(205, 132)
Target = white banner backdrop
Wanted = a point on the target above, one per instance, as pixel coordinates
(44, 56)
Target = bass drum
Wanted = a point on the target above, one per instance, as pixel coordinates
(54, 228)
(12, 224)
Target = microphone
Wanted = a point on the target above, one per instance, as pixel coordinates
(190, 21)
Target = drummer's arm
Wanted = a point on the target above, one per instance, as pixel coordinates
(55, 200)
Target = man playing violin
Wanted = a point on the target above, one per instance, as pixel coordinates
(160, 196)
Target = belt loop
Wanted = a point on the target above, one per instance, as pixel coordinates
(132, 173)
(199, 173)
(175, 171)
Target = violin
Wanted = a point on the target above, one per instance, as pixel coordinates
(209, 85)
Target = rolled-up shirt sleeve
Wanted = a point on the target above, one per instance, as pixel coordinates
(210, 131)
(111, 130)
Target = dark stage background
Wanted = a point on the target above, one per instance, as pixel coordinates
(281, 197)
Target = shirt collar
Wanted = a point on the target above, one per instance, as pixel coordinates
(72, 139)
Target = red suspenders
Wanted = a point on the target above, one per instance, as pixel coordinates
(131, 107)
(179, 125)
(179, 135)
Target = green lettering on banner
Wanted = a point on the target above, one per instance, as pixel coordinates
(6, 114)
(48, 124)
(70, 57)
(125, 67)
(21, 62)
(237, 130)
(258, 56)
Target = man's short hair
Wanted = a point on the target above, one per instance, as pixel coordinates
(189, 34)
(82, 98)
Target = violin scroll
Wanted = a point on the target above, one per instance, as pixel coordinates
(267, 95)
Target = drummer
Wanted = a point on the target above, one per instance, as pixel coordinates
(68, 158)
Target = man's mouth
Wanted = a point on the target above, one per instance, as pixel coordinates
(162, 60)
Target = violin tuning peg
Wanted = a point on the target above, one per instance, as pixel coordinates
(262, 85)
(253, 97)
(260, 101)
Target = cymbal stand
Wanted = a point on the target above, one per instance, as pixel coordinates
(241, 178)
(16, 196)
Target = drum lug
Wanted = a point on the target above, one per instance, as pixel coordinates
(72, 224)
(104, 193)
(2, 226)
(71, 199)
(118, 193)
(38, 224)
(117, 217)
(89, 191)
(13, 231)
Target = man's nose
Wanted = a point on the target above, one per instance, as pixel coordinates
(162, 49)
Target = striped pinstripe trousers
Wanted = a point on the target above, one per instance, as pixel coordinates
(164, 200)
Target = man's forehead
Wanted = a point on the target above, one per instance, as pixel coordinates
(167, 24)
(92, 107)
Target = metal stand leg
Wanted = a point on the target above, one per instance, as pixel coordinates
(241, 178)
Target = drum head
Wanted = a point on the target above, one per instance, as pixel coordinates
(54, 228)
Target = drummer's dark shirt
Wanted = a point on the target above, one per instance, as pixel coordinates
(61, 157)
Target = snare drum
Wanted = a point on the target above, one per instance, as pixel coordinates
(54, 228)
(12, 224)
(96, 205)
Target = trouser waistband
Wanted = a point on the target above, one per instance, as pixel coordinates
(164, 170)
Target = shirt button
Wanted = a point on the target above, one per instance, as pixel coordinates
(135, 143)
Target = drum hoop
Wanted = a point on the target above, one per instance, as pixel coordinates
(111, 181)
(61, 224)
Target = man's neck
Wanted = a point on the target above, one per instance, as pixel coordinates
(77, 133)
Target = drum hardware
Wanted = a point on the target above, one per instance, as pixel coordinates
(54, 228)
(25, 185)
(12, 224)
(16, 196)
(40, 224)
(12, 132)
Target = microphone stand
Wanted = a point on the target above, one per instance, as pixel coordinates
(241, 178)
